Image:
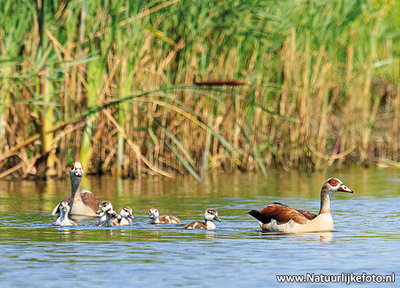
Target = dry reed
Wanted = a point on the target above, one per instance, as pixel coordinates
(132, 87)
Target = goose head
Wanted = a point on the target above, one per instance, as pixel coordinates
(104, 207)
(153, 213)
(335, 185)
(64, 208)
(211, 215)
(126, 212)
(331, 186)
(76, 170)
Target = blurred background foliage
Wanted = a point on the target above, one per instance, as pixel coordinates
(174, 87)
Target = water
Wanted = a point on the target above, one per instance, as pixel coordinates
(34, 253)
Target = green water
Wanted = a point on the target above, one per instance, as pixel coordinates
(34, 253)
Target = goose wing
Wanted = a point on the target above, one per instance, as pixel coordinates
(195, 225)
(281, 213)
(90, 200)
(168, 219)
(309, 215)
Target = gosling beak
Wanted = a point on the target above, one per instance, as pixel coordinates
(217, 218)
(343, 188)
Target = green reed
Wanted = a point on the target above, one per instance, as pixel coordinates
(114, 82)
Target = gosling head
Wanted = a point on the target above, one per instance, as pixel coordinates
(126, 212)
(104, 206)
(153, 213)
(211, 215)
(64, 208)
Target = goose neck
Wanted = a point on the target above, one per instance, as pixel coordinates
(325, 201)
(75, 186)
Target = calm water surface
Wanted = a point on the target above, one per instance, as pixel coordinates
(34, 253)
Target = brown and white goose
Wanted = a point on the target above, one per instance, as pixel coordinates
(210, 215)
(82, 202)
(109, 217)
(281, 218)
(126, 216)
(63, 210)
(165, 219)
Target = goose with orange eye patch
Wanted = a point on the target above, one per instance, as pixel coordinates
(81, 202)
(281, 218)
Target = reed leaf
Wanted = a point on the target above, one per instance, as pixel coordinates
(182, 160)
(321, 83)
(176, 142)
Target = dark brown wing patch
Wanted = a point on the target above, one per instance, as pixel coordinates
(174, 218)
(282, 214)
(90, 200)
(309, 215)
(195, 225)
(167, 219)
(164, 219)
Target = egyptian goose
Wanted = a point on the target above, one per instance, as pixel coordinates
(210, 215)
(281, 218)
(63, 210)
(82, 202)
(126, 216)
(108, 217)
(165, 219)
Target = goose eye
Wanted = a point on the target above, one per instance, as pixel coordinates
(334, 182)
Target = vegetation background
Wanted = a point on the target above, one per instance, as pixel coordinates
(170, 87)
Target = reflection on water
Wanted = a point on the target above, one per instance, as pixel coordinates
(309, 236)
(236, 253)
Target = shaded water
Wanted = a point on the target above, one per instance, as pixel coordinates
(34, 253)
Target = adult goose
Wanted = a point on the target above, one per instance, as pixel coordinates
(82, 202)
(281, 218)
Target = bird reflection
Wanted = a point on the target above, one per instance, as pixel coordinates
(325, 236)
(210, 234)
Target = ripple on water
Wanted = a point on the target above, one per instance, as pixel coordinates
(365, 239)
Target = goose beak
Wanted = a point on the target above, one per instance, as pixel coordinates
(99, 211)
(78, 174)
(217, 218)
(343, 188)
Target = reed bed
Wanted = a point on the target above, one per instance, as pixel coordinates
(134, 88)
